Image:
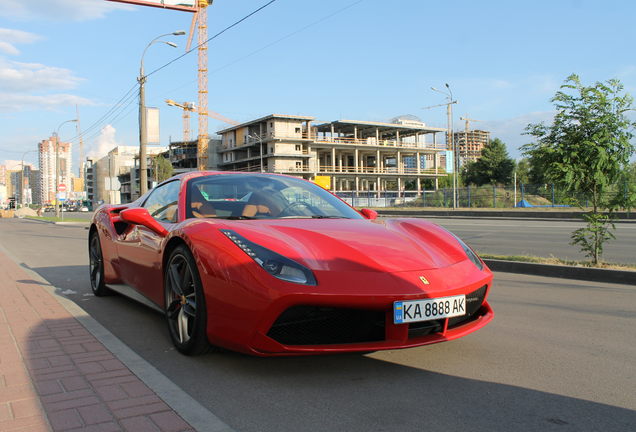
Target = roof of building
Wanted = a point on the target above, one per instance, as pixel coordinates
(347, 126)
(280, 116)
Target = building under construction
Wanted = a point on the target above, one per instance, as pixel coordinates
(343, 155)
(470, 144)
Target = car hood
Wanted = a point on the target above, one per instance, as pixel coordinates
(391, 245)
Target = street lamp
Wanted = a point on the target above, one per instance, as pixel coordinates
(143, 135)
(260, 146)
(449, 113)
(57, 164)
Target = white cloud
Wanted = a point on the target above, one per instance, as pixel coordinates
(104, 143)
(511, 130)
(12, 102)
(9, 38)
(17, 76)
(57, 10)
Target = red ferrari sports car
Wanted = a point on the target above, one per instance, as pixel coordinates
(269, 264)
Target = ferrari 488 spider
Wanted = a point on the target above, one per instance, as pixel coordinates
(268, 264)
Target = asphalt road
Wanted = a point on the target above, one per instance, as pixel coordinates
(537, 238)
(558, 356)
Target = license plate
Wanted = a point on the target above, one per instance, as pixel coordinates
(429, 309)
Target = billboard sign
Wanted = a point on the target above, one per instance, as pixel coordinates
(152, 125)
(449, 161)
(182, 5)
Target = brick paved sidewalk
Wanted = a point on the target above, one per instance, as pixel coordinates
(55, 375)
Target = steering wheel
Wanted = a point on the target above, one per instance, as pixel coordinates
(285, 212)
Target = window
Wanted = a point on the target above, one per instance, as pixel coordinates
(297, 148)
(297, 130)
(299, 165)
(162, 202)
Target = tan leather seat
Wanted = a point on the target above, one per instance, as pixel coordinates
(260, 204)
(200, 207)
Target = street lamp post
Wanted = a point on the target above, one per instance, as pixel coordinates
(260, 147)
(143, 133)
(449, 113)
(57, 164)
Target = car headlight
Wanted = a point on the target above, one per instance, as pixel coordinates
(273, 263)
(470, 253)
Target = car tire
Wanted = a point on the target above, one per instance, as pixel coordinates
(96, 266)
(185, 308)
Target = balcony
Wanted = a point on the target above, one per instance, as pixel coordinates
(331, 169)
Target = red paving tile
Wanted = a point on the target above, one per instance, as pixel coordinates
(56, 376)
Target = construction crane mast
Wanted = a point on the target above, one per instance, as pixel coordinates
(202, 145)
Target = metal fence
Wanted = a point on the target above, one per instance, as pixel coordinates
(523, 195)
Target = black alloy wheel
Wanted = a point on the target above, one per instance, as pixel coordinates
(185, 304)
(96, 266)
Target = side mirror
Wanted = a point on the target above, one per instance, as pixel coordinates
(369, 214)
(140, 216)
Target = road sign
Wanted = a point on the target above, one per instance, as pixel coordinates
(61, 196)
(61, 187)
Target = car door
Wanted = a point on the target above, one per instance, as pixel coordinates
(140, 248)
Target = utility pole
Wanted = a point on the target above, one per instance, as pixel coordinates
(143, 129)
(450, 139)
(143, 134)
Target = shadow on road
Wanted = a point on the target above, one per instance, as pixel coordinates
(340, 392)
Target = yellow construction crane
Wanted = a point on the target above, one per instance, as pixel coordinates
(189, 107)
(200, 20)
(468, 120)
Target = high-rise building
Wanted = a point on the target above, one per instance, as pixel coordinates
(47, 161)
(470, 144)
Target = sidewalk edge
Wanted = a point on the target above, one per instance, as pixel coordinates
(199, 417)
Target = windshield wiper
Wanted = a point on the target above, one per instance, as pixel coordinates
(328, 217)
(239, 217)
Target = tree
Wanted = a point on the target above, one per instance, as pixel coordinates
(162, 168)
(523, 171)
(494, 165)
(536, 172)
(584, 151)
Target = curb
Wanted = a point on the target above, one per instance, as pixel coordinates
(622, 217)
(190, 410)
(564, 272)
(72, 223)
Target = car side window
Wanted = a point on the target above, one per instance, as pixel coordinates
(162, 202)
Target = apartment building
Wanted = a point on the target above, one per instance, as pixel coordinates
(352, 155)
(47, 162)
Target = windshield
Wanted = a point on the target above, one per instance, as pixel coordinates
(262, 196)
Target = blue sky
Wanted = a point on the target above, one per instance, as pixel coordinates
(374, 60)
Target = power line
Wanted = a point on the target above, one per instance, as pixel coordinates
(127, 98)
(254, 12)
(264, 47)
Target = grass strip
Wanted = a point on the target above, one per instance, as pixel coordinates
(558, 261)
